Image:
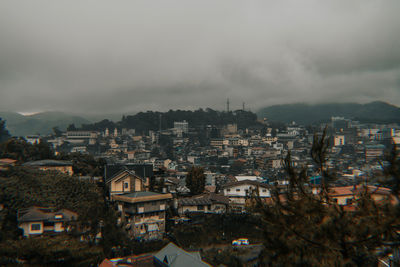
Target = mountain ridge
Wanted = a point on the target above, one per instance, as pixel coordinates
(376, 111)
(41, 123)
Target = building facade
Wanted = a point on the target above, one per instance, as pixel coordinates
(143, 213)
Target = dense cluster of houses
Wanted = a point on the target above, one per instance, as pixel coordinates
(145, 177)
(143, 213)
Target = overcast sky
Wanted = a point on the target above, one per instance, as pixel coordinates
(127, 56)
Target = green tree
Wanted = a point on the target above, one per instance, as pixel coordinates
(24, 187)
(4, 134)
(61, 250)
(57, 132)
(305, 226)
(21, 150)
(71, 127)
(196, 180)
(84, 164)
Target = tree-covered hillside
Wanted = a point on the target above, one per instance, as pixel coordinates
(40, 123)
(150, 120)
(379, 112)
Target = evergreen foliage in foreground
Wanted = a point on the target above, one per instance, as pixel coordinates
(23, 187)
(302, 228)
(4, 134)
(196, 180)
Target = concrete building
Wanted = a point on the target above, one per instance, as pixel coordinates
(338, 140)
(143, 213)
(182, 126)
(239, 192)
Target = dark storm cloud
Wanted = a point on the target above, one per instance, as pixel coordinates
(126, 56)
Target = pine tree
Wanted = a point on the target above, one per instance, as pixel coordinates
(304, 226)
(4, 134)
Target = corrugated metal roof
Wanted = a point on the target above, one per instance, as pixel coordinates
(174, 256)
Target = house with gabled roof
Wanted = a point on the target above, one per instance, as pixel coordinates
(173, 256)
(126, 181)
(347, 195)
(204, 203)
(170, 255)
(41, 220)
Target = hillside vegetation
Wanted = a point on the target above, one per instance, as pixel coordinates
(378, 112)
(40, 123)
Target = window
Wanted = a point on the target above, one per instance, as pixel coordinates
(264, 190)
(200, 207)
(228, 190)
(126, 184)
(36, 226)
(47, 224)
(238, 190)
(349, 201)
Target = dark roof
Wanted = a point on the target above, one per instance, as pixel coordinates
(204, 199)
(45, 214)
(48, 162)
(255, 183)
(142, 170)
(128, 172)
(140, 194)
(173, 256)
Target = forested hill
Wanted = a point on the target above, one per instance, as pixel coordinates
(40, 123)
(150, 120)
(377, 112)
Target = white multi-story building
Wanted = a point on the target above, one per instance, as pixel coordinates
(239, 192)
(181, 126)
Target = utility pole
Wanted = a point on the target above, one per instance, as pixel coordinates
(227, 105)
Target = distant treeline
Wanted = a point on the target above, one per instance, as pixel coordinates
(142, 122)
(374, 112)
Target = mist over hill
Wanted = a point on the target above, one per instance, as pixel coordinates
(378, 112)
(39, 123)
(43, 123)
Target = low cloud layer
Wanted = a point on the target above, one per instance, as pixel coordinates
(127, 56)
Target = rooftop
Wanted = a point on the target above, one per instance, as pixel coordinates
(47, 162)
(174, 256)
(45, 214)
(141, 196)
